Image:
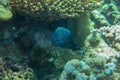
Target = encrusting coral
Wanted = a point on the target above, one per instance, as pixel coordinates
(54, 9)
(5, 14)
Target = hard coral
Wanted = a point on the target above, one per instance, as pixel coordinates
(54, 9)
(6, 73)
(111, 36)
(96, 68)
(5, 14)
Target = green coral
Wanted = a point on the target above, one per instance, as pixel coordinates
(5, 14)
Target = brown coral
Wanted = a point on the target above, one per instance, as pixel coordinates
(54, 9)
(8, 74)
(111, 35)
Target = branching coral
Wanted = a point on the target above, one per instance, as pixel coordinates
(54, 9)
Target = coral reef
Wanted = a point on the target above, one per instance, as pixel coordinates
(94, 69)
(55, 58)
(111, 35)
(12, 72)
(99, 19)
(105, 49)
(64, 55)
(13, 65)
(117, 1)
(80, 29)
(102, 47)
(54, 9)
(3, 2)
(111, 12)
(34, 48)
(5, 14)
(108, 14)
(100, 62)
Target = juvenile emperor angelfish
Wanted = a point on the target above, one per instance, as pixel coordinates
(60, 36)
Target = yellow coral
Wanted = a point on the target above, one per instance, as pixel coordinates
(54, 9)
(5, 14)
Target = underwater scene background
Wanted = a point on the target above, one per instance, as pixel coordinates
(59, 40)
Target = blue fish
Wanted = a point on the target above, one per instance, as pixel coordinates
(60, 36)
